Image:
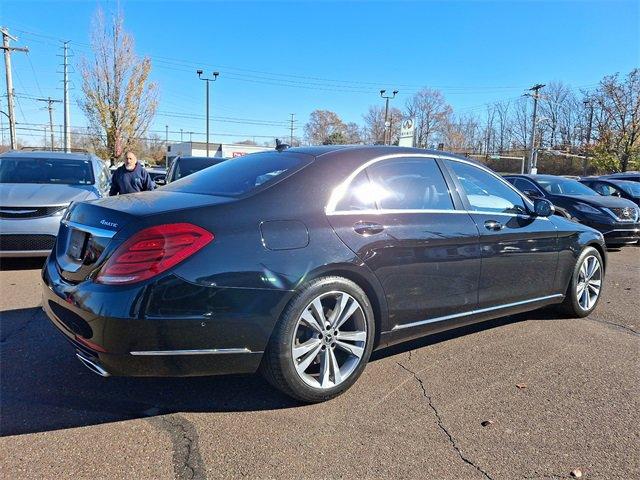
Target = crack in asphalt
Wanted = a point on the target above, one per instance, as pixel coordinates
(440, 423)
(187, 462)
(619, 325)
(23, 327)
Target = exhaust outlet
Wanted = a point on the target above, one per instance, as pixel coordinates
(93, 366)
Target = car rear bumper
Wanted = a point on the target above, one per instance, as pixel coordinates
(113, 334)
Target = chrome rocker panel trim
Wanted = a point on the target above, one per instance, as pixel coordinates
(474, 312)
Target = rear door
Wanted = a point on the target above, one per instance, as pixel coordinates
(519, 250)
(399, 216)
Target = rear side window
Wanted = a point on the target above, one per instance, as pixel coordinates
(485, 192)
(359, 196)
(241, 176)
(410, 184)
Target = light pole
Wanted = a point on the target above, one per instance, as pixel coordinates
(386, 113)
(215, 77)
(533, 167)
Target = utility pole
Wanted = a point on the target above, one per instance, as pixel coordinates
(50, 103)
(292, 122)
(215, 77)
(387, 124)
(6, 37)
(588, 103)
(166, 146)
(65, 81)
(532, 149)
(180, 135)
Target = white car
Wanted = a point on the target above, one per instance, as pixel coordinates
(35, 190)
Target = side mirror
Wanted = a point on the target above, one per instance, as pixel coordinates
(543, 207)
(531, 193)
(160, 180)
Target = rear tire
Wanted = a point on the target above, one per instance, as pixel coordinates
(585, 288)
(315, 356)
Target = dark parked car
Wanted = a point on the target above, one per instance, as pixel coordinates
(300, 263)
(615, 188)
(630, 176)
(616, 218)
(184, 166)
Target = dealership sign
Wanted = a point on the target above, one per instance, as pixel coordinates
(407, 130)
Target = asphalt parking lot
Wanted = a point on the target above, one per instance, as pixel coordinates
(559, 395)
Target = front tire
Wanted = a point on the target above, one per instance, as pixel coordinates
(585, 287)
(322, 342)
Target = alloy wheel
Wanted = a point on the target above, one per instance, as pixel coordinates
(589, 282)
(329, 340)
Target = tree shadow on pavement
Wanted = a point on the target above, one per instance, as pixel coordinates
(43, 387)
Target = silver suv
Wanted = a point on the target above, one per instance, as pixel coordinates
(35, 190)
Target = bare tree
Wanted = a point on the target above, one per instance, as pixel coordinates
(618, 100)
(119, 101)
(521, 123)
(374, 128)
(502, 111)
(352, 133)
(321, 125)
(430, 111)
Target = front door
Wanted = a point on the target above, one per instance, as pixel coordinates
(519, 250)
(399, 217)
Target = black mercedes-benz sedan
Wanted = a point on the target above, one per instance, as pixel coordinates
(299, 263)
(617, 218)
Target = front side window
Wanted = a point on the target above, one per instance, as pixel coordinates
(564, 186)
(485, 192)
(409, 184)
(44, 170)
(524, 185)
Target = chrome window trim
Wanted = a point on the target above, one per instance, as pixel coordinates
(474, 312)
(94, 231)
(414, 211)
(206, 351)
(338, 192)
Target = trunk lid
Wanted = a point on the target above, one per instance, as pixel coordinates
(86, 235)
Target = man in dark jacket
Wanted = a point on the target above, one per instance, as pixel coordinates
(130, 177)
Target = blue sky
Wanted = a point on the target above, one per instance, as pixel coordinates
(293, 57)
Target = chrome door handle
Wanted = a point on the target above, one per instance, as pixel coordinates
(367, 228)
(493, 225)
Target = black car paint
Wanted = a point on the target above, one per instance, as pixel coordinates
(594, 182)
(616, 233)
(232, 292)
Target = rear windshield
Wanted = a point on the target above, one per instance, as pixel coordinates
(187, 166)
(42, 170)
(240, 176)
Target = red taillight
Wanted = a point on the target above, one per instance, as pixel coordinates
(90, 344)
(152, 251)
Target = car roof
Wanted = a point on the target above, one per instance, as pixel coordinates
(48, 155)
(213, 159)
(372, 151)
